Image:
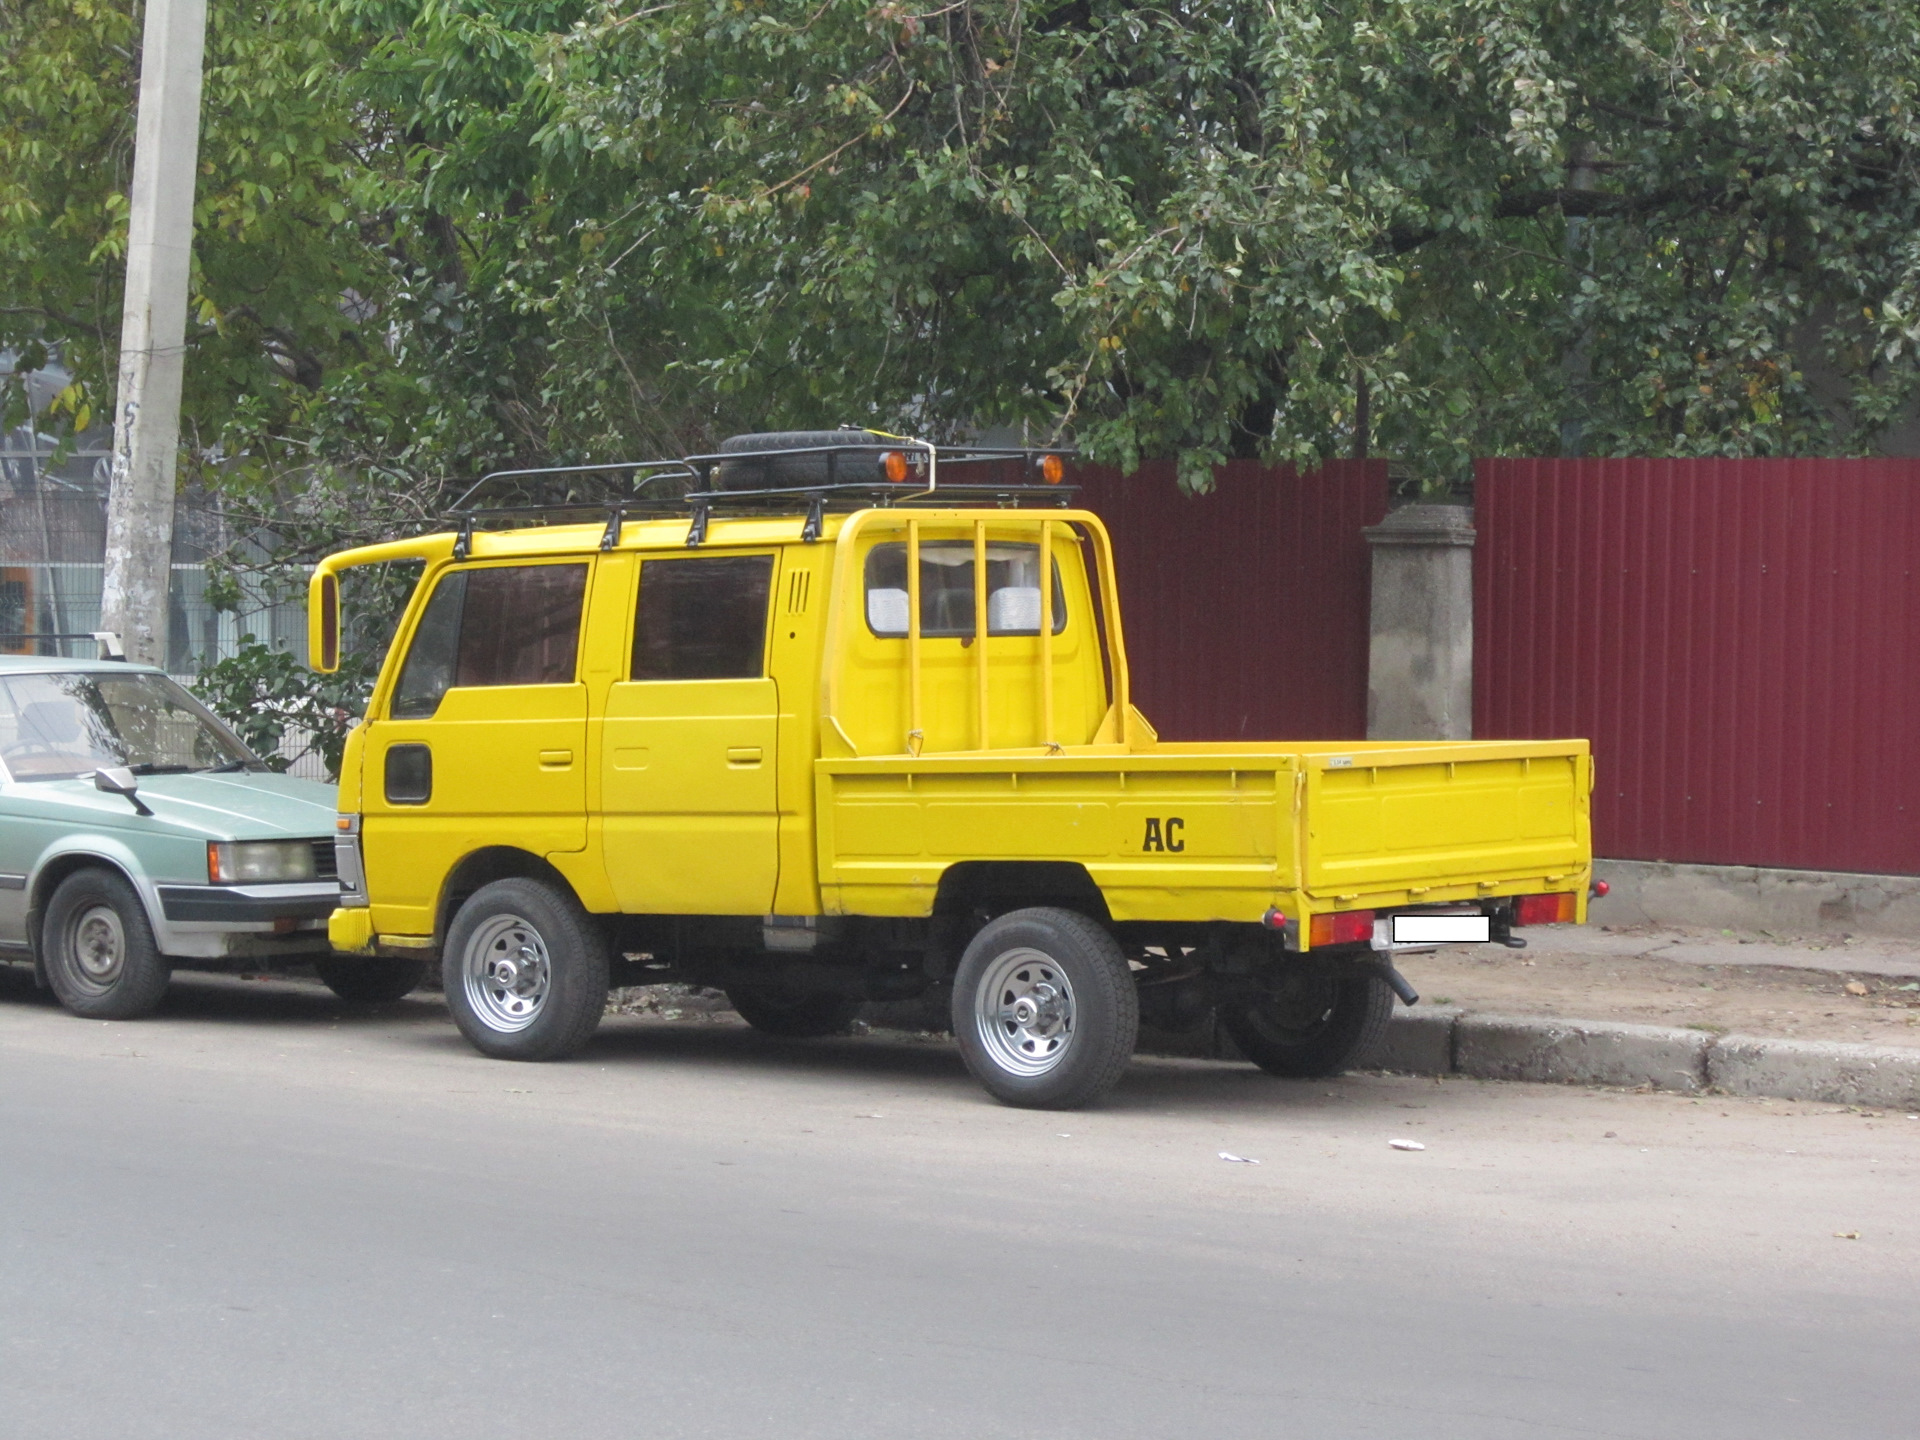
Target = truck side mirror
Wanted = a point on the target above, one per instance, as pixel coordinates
(323, 623)
(119, 780)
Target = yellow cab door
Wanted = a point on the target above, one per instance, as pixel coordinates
(688, 744)
(483, 741)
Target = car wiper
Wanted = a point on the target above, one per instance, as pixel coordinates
(229, 768)
(150, 769)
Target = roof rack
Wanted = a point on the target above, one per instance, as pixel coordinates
(900, 471)
(107, 640)
(640, 475)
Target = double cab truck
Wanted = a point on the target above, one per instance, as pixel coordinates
(846, 718)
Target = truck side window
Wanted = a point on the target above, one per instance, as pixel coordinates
(702, 619)
(503, 625)
(946, 590)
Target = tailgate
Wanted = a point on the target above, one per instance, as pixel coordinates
(1411, 817)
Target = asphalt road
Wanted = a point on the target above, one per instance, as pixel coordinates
(259, 1214)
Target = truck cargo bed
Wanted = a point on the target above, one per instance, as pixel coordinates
(1196, 832)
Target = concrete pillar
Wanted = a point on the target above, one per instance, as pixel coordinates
(153, 325)
(1420, 661)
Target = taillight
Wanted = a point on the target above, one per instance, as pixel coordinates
(1343, 927)
(1543, 909)
(1600, 889)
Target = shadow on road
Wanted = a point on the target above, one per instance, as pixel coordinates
(723, 1044)
(231, 999)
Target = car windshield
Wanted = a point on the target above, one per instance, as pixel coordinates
(55, 727)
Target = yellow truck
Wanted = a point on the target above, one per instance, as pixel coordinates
(843, 717)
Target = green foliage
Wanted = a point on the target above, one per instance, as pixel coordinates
(263, 692)
(442, 235)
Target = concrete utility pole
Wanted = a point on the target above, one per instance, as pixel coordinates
(153, 330)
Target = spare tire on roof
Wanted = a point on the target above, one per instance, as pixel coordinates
(857, 459)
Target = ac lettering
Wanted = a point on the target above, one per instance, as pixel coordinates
(1164, 835)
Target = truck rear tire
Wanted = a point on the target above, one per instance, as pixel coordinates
(369, 980)
(98, 948)
(525, 971)
(1045, 1009)
(1315, 1022)
(793, 1014)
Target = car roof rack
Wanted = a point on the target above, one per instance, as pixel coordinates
(908, 472)
(107, 640)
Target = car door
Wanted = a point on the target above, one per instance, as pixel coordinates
(484, 737)
(687, 747)
(19, 845)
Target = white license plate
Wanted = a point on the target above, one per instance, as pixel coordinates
(1440, 929)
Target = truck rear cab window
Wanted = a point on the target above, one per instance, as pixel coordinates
(946, 590)
(702, 619)
(502, 625)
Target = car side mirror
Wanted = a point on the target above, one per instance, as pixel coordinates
(119, 780)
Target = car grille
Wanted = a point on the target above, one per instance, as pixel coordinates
(324, 865)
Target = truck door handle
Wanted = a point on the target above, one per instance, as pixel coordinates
(556, 759)
(743, 755)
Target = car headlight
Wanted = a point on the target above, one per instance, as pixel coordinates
(243, 862)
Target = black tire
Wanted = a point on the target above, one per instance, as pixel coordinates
(1070, 1045)
(98, 948)
(369, 979)
(793, 1015)
(1312, 1021)
(525, 971)
(770, 472)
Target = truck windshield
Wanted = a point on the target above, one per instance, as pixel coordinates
(56, 727)
(946, 590)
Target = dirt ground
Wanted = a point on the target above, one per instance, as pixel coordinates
(1831, 989)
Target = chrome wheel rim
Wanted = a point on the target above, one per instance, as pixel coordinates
(1023, 1010)
(507, 973)
(97, 947)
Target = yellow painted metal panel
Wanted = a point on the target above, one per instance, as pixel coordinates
(490, 787)
(689, 802)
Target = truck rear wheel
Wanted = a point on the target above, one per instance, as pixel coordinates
(525, 971)
(793, 1014)
(1044, 1009)
(1312, 1022)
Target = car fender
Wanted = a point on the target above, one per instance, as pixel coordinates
(100, 849)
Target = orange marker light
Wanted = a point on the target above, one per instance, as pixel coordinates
(893, 465)
(1052, 469)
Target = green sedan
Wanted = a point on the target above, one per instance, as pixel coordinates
(138, 835)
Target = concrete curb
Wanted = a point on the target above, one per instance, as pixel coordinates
(1436, 1040)
(1684, 1062)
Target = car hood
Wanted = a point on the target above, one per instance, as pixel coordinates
(240, 806)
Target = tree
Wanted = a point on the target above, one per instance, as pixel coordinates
(442, 236)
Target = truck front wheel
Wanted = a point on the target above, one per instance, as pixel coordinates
(1311, 1021)
(365, 980)
(1044, 1009)
(525, 971)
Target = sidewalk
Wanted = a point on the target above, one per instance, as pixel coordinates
(1693, 1011)
(1862, 990)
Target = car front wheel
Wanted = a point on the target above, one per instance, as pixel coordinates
(525, 971)
(98, 948)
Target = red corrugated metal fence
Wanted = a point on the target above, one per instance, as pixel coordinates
(1740, 639)
(1245, 608)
